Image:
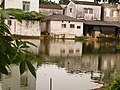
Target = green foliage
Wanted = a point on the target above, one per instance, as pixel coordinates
(46, 2)
(115, 85)
(64, 2)
(13, 51)
(20, 14)
(109, 1)
(31, 68)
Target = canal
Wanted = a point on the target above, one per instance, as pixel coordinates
(72, 65)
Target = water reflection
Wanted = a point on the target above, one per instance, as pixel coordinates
(100, 60)
(13, 81)
(72, 65)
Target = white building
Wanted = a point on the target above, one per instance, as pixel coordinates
(61, 26)
(27, 5)
(24, 28)
(83, 10)
(27, 27)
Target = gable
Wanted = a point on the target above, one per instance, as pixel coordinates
(71, 4)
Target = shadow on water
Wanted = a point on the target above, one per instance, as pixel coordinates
(72, 66)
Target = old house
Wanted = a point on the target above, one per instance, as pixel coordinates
(62, 26)
(110, 12)
(50, 9)
(83, 10)
(26, 5)
(26, 27)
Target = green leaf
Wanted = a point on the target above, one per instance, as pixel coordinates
(31, 68)
(4, 14)
(22, 55)
(22, 67)
(16, 60)
(8, 38)
(31, 43)
(28, 52)
(3, 69)
(25, 46)
(4, 60)
(17, 42)
(4, 28)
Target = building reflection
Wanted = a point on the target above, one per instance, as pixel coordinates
(61, 48)
(32, 48)
(96, 58)
(14, 81)
(100, 60)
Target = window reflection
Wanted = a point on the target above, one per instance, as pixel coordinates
(24, 81)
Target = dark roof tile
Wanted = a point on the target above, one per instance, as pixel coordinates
(50, 6)
(60, 18)
(85, 3)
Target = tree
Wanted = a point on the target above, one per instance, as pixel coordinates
(14, 52)
(64, 2)
(46, 2)
(109, 1)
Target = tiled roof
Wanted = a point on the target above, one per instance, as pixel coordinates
(50, 6)
(102, 23)
(60, 18)
(85, 3)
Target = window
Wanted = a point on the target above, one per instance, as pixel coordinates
(115, 13)
(90, 11)
(26, 6)
(70, 10)
(77, 50)
(71, 51)
(72, 25)
(24, 81)
(62, 51)
(63, 25)
(9, 88)
(108, 12)
(86, 10)
(9, 22)
(78, 27)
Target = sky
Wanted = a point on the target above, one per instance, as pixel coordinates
(55, 1)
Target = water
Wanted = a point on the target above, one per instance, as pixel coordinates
(71, 65)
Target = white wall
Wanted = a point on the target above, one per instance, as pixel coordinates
(96, 12)
(56, 28)
(26, 28)
(73, 13)
(34, 4)
(63, 49)
(78, 11)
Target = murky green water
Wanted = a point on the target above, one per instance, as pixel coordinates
(71, 65)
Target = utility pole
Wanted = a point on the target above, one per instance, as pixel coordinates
(50, 83)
